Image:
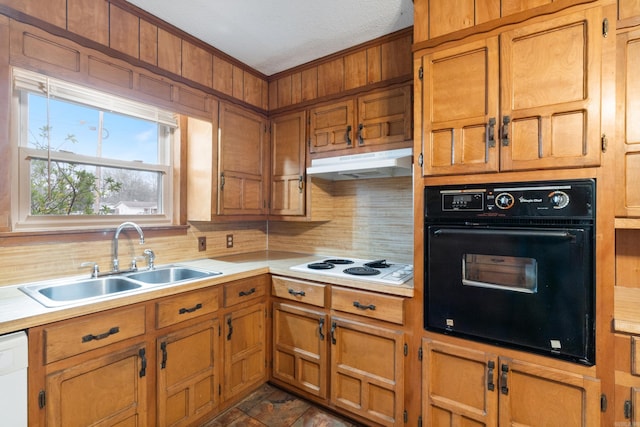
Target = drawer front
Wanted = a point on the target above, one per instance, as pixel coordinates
(187, 306)
(376, 306)
(298, 290)
(245, 290)
(76, 336)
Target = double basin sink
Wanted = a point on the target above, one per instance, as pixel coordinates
(65, 292)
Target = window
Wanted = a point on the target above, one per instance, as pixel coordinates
(87, 158)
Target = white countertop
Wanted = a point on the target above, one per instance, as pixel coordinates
(19, 311)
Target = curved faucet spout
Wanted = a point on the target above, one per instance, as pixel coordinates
(116, 263)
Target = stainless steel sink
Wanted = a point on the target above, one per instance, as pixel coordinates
(170, 274)
(55, 294)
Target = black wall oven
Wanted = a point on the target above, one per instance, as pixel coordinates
(513, 265)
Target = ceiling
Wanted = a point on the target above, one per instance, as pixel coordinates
(275, 35)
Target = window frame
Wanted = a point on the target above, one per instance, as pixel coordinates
(24, 81)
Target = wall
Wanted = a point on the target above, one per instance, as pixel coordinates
(372, 218)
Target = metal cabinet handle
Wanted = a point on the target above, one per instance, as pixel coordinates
(300, 183)
(490, 367)
(364, 307)
(490, 138)
(333, 332)
(347, 135)
(360, 137)
(163, 348)
(505, 130)
(504, 389)
(143, 362)
(104, 335)
(297, 293)
(222, 181)
(245, 293)
(190, 310)
(321, 328)
(230, 326)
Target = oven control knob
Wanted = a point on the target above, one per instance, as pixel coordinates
(504, 201)
(559, 199)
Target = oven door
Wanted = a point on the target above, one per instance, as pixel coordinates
(529, 288)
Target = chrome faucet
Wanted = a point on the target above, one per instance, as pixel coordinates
(116, 263)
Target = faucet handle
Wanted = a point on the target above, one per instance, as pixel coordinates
(95, 270)
(134, 262)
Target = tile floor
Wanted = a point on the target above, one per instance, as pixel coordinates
(270, 406)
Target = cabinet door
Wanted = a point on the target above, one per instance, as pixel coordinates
(628, 148)
(244, 349)
(550, 89)
(535, 395)
(367, 370)
(242, 162)
(384, 117)
(108, 390)
(188, 374)
(460, 109)
(288, 164)
(299, 348)
(331, 127)
(459, 386)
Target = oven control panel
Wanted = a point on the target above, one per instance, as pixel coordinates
(556, 199)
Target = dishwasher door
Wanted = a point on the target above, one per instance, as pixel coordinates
(13, 379)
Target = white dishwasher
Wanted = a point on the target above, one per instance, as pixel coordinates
(13, 379)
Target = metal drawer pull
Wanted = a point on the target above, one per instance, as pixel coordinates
(91, 337)
(321, 328)
(190, 310)
(163, 348)
(333, 332)
(364, 307)
(490, 367)
(347, 135)
(143, 362)
(504, 388)
(249, 292)
(297, 293)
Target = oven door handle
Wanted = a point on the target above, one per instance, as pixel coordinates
(522, 233)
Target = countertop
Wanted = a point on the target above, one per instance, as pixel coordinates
(19, 311)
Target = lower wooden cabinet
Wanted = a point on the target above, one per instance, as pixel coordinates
(300, 348)
(244, 349)
(107, 390)
(463, 386)
(188, 377)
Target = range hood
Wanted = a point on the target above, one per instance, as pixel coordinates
(380, 164)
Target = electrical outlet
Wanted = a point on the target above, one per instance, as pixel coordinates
(202, 243)
(229, 240)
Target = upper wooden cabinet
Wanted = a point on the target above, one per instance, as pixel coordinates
(369, 121)
(435, 18)
(628, 131)
(523, 99)
(288, 162)
(243, 154)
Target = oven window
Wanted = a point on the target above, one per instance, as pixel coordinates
(517, 274)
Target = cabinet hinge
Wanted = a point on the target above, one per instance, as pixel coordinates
(603, 402)
(605, 27)
(605, 142)
(420, 73)
(406, 349)
(420, 421)
(405, 416)
(420, 159)
(420, 354)
(42, 399)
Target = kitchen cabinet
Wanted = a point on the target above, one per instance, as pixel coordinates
(375, 120)
(436, 18)
(627, 375)
(468, 386)
(89, 371)
(243, 165)
(288, 164)
(628, 141)
(189, 359)
(244, 336)
(522, 99)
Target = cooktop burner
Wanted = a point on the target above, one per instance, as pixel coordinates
(378, 271)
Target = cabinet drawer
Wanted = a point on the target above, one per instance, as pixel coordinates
(245, 290)
(186, 306)
(298, 290)
(377, 306)
(76, 336)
